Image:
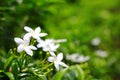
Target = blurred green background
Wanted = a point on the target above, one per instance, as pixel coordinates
(79, 21)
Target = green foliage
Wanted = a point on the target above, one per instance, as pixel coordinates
(72, 73)
(79, 21)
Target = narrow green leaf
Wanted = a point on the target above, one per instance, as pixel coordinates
(8, 63)
(15, 70)
(10, 52)
(10, 75)
(33, 78)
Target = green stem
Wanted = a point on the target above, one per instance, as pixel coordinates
(47, 66)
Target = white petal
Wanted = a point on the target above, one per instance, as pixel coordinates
(40, 41)
(63, 64)
(61, 40)
(38, 30)
(26, 39)
(36, 37)
(28, 51)
(60, 56)
(42, 34)
(18, 40)
(57, 46)
(52, 54)
(33, 47)
(20, 48)
(53, 47)
(45, 49)
(56, 65)
(27, 35)
(51, 59)
(39, 45)
(28, 29)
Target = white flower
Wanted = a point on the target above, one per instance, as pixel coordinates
(23, 45)
(48, 45)
(34, 33)
(101, 53)
(96, 41)
(77, 58)
(57, 60)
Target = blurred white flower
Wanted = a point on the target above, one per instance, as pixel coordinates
(19, 1)
(34, 33)
(23, 45)
(60, 40)
(57, 60)
(96, 41)
(101, 53)
(48, 45)
(77, 58)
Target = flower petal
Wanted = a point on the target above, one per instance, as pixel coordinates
(60, 56)
(60, 40)
(52, 54)
(63, 64)
(38, 30)
(26, 39)
(45, 49)
(33, 47)
(28, 51)
(56, 46)
(20, 48)
(42, 34)
(56, 64)
(27, 35)
(28, 29)
(39, 45)
(53, 47)
(51, 59)
(18, 40)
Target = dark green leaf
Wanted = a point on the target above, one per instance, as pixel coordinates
(8, 63)
(15, 70)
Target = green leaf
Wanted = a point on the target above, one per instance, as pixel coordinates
(15, 70)
(66, 72)
(59, 75)
(8, 63)
(80, 73)
(10, 75)
(1, 71)
(32, 78)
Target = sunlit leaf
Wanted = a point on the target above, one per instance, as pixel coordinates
(59, 75)
(10, 75)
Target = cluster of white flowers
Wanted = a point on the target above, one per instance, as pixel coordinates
(48, 45)
(77, 58)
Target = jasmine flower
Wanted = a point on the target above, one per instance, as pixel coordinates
(23, 45)
(48, 45)
(34, 33)
(57, 60)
